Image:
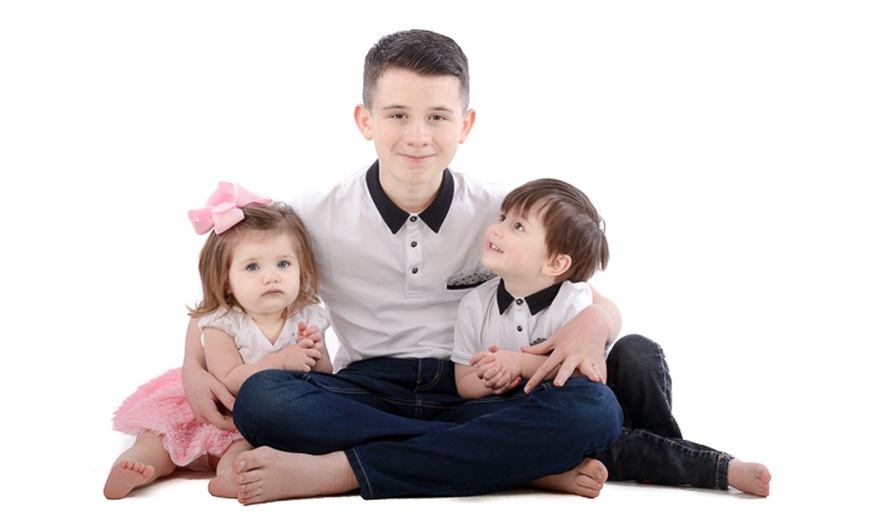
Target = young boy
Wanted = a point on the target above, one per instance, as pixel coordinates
(396, 246)
(547, 244)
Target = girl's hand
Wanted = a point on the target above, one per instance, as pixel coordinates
(298, 357)
(311, 333)
(311, 337)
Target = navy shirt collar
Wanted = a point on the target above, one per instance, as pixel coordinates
(395, 216)
(537, 301)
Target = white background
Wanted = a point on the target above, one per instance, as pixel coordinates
(726, 144)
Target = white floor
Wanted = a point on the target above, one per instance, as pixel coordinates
(797, 492)
(726, 144)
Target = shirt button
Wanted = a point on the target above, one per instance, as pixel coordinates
(519, 328)
(414, 271)
(414, 218)
(414, 244)
(519, 302)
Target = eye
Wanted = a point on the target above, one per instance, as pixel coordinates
(398, 116)
(438, 117)
(519, 227)
(284, 264)
(501, 217)
(252, 267)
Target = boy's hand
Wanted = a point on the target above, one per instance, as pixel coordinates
(498, 370)
(206, 395)
(573, 347)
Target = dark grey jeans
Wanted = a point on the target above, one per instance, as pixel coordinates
(651, 448)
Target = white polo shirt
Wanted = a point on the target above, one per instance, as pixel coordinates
(392, 281)
(489, 316)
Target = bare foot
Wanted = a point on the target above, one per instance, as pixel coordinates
(749, 477)
(585, 480)
(225, 484)
(125, 477)
(266, 474)
(142, 464)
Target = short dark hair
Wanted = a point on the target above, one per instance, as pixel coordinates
(424, 52)
(573, 225)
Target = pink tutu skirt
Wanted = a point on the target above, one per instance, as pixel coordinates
(161, 407)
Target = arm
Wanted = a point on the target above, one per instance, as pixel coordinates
(494, 372)
(204, 392)
(225, 362)
(468, 385)
(579, 344)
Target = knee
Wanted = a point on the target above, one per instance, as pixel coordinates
(255, 390)
(260, 397)
(599, 417)
(634, 352)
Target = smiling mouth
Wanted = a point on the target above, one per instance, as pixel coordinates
(417, 158)
(495, 248)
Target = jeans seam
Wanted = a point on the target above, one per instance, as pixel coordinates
(433, 382)
(665, 374)
(723, 461)
(366, 485)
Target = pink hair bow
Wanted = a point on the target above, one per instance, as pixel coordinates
(223, 209)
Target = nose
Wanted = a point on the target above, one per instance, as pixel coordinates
(493, 231)
(270, 277)
(417, 133)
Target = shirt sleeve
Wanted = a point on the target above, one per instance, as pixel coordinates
(466, 333)
(223, 320)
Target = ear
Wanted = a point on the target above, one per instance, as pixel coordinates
(363, 120)
(557, 265)
(467, 123)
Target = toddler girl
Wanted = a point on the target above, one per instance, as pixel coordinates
(259, 311)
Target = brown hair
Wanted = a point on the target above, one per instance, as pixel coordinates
(216, 257)
(424, 52)
(573, 225)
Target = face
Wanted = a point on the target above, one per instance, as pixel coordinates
(515, 248)
(416, 123)
(264, 274)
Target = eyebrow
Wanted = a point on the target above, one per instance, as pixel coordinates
(260, 258)
(442, 109)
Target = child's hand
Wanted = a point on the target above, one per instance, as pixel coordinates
(500, 371)
(300, 357)
(311, 333)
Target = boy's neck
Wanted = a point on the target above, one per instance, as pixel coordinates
(413, 198)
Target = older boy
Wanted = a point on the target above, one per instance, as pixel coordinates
(397, 249)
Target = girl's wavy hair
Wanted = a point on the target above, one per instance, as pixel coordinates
(215, 258)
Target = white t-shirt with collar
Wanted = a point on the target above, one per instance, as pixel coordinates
(489, 316)
(391, 281)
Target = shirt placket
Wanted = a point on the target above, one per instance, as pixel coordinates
(520, 320)
(414, 257)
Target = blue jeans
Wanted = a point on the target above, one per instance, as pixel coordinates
(406, 432)
(651, 448)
